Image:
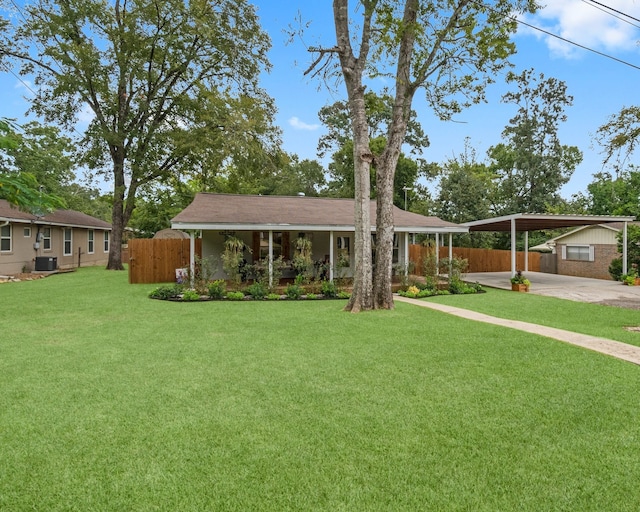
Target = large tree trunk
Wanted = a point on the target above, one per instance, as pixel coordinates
(117, 214)
(382, 279)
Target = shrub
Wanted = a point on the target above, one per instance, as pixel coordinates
(166, 292)
(273, 296)
(217, 289)
(615, 269)
(294, 291)
(311, 296)
(257, 290)
(343, 295)
(328, 289)
(190, 295)
(235, 295)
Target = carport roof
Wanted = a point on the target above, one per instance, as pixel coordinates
(535, 221)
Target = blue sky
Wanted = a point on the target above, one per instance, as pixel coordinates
(600, 86)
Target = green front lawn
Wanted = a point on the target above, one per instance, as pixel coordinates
(596, 320)
(112, 401)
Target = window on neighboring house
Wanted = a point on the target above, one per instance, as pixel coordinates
(578, 252)
(68, 242)
(90, 241)
(46, 239)
(106, 241)
(27, 232)
(5, 238)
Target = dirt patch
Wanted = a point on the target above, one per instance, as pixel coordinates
(621, 303)
(23, 276)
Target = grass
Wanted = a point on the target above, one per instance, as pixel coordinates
(597, 320)
(112, 401)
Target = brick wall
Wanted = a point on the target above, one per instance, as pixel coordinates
(597, 269)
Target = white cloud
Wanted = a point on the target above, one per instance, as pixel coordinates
(586, 24)
(86, 115)
(301, 125)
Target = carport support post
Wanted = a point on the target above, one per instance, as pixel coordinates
(513, 247)
(192, 256)
(450, 253)
(270, 258)
(624, 249)
(526, 251)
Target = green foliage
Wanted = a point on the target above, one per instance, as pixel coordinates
(257, 290)
(302, 262)
(329, 289)
(619, 137)
(273, 296)
(343, 295)
(261, 271)
(203, 271)
(161, 81)
(531, 165)
(233, 259)
(166, 292)
(235, 295)
(293, 291)
(519, 278)
(217, 289)
(615, 269)
(190, 296)
(311, 296)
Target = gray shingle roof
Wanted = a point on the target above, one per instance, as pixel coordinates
(69, 218)
(216, 211)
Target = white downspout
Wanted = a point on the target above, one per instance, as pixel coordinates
(406, 254)
(192, 256)
(270, 258)
(624, 249)
(450, 252)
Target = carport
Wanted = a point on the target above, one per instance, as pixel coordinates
(525, 222)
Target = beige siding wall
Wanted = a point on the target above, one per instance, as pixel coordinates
(22, 255)
(590, 236)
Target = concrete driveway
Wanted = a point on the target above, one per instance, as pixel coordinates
(566, 287)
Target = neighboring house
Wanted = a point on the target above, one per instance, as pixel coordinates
(586, 251)
(62, 239)
(270, 225)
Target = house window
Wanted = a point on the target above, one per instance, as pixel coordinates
(5, 238)
(264, 244)
(68, 242)
(106, 241)
(46, 239)
(344, 251)
(27, 232)
(578, 252)
(90, 241)
(396, 248)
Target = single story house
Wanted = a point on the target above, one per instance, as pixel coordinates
(61, 239)
(586, 251)
(269, 226)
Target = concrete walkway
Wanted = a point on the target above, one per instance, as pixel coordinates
(613, 348)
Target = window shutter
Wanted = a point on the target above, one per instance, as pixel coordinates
(564, 252)
(256, 246)
(591, 253)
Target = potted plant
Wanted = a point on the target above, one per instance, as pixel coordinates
(519, 283)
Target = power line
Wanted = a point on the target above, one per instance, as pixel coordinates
(602, 54)
(610, 13)
(614, 10)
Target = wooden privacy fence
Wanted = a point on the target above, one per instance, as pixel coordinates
(156, 260)
(480, 260)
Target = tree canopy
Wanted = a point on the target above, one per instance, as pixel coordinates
(161, 80)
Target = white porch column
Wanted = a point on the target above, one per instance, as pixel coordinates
(331, 256)
(526, 251)
(406, 254)
(450, 252)
(513, 247)
(437, 249)
(192, 255)
(624, 249)
(270, 258)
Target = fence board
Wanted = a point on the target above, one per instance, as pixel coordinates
(156, 260)
(480, 260)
